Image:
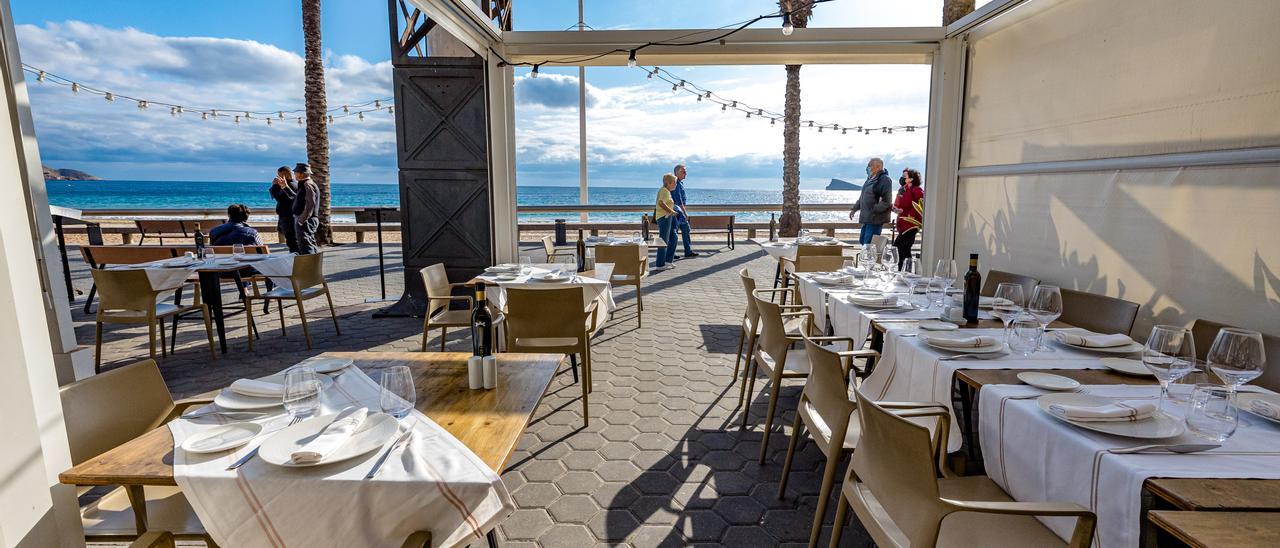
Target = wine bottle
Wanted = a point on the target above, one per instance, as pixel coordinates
(972, 285)
(199, 242)
(582, 253)
(481, 325)
(773, 227)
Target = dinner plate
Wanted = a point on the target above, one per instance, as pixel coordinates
(254, 257)
(1127, 366)
(374, 433)
(988, 349)
(221, 438)
(1244, 400)
(326, 365)
(178, 263)
(1158, 426)
(1048, 381)
(503, 268)
(1126, 349)
(564, 278)
(227, 261)
(233, 401)
(937, 325)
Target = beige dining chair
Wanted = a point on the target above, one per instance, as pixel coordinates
(554, 253)
(553, 320)
(751, 321)
(893, 487)
(126, 297)
(103, 412)
(879, 242)
(307, 281)
(1097, 313)
(805, 250)
(102, 256)
(994, 278)
(630, 266)
(439, 315)
(1203, 332)
(812, 263)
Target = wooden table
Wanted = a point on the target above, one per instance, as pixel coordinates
(487, 421)
(1217, 529)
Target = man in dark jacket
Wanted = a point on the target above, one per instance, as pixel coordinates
(305, 207)
(875, 205)
(283, 191)
(236, 230)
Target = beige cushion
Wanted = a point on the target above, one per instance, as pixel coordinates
(545, 342)
(287, 292)
(450, 318)
(821, 431)
(162, 309)
(797, 362)
(167, 510)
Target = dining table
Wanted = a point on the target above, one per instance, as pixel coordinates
(1216, 529)
(595, 285)
(487, 422)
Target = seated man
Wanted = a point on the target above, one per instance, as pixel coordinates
(236, 230)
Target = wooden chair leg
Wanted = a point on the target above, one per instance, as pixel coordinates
(586, 364)
(173, 337)
(573, 364)
(774, 386)
(824, 494)
(208, 329)
(252, 328)
(302, 315)
(97, 354)
(737, 358)
(586, 389)
(750, 384)
(280, 309)
(426, 330)
(333, 314)
(837, 527)
(443, 331)
(151, 337)
(797, 430)
(164, 349)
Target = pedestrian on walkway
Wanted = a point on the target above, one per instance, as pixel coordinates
(283, 191)
(682, 215)
(305, 207)
(875, 203)
(909, 220)
(665, 213)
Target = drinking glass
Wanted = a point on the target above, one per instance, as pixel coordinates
(209, 254)
(398, 393)
(237, 251)
(1046, 306)
(1026, 333)
(526, 265)
(936, 292)
(1169, 353)
(946, 268)
(1180, 390)
(1212, 415)
(1236, 356)
(1007, 304)
(866, 257)
(911, 278)
(301, 392)
(890, 261)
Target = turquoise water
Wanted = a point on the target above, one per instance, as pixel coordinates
(194, 194)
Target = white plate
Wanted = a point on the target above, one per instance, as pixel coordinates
(988, 349)
(222, 438)
(1126, 349)
(376, 430)
(326, 365)
(1245, 399)
(177, 263)
(551, 280)
(249, 258)
(937, 325)
(1048, 381)
(1159, 426)
(503, 268)
(232, 401)
(1127, 366)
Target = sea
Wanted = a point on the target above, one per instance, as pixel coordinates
(88, 195)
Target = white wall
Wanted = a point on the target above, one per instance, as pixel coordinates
(1078, 81)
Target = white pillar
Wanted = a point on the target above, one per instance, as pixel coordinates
(946, 104)
(582, 128)
(500, 86)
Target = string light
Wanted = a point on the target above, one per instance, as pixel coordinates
(75, 88)
(40, 77)
(142, 105)
(631, 59)
(268, 122)
(361, 116)
(204, 115)
(345, 109)
(534, 74)
(787, 26)
(377, 103)
(299, 121)
(280, 115)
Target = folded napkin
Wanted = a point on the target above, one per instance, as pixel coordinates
(257, 388)
(1265, 408)
(983, 301)
(1111, 412)
(829, 279)
(871, 299)
(1094, 340)
(961, 342)
(332, 437)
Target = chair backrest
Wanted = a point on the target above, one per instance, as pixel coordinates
(826, 390)
(436, 280)
(820, 263)
(1098, 313)
(880, 241)
(894, 459)
(308, 271)
(1203, 332)
(123, 290)
(812, 250)
(752, 315)
(549, 245)
(706, 222)
(165, 226)
(100, 255)
(994, 278)
(626, 258)
(111, 408)
(773, 339)
(545, 313)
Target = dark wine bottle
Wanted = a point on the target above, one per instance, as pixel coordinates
(199, 242)
(481, 325)
(582, 253)
(972, 285)
(773, 227)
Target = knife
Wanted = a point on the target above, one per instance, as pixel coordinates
(383, 458)
(1174, 448)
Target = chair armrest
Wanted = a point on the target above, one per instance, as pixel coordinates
(154, 539)
(790, 306)
(796, 314)
(419, 539)
(183, 405)
(775, 290)
(1022, 508)
(865, 353)
(467, 298)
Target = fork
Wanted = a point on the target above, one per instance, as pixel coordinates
(1172, 448)
(994, 356)
(248, 457)
(221, 412)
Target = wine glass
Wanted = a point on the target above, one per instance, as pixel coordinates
(1236, 356)
(1169, 353)
(526, 265)
(866, 258)
(1046, 306)
(890, 261)
(936, 292)
(911, 277)
(1007, 304)
(1212, 415)
(237, 251)
(208, 255)
(946, 268)
(398, 393)
(1025, 336)
(301, 392)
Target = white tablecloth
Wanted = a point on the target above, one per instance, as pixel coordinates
(437, 485)
(786, 247)
(1038, 458)
(909, 370)
(277, 266)
(595, 289)
(161, 278)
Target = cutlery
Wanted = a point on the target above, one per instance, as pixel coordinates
(993, 356)
(248, 457)
(1174, 448)
(402, 439)
(223, 413)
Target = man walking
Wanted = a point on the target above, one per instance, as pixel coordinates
(305, 206)
(682, 216)
(283, 191)
(875, 203)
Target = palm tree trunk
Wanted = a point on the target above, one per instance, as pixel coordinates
(953, 10)
(789, 223)
(317, 112)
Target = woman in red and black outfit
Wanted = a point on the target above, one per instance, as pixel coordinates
(910, 192)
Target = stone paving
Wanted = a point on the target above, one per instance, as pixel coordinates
(662, 463)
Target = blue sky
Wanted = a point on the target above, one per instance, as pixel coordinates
(247, 54)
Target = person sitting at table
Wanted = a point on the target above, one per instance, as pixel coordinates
(665, 213)
(236, 230)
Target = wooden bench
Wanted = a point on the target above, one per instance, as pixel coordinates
(127, 233)
(713, 224)
(159, 228)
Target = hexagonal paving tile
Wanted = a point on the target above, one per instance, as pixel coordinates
(579, 483)
(543, 471)
(527, 524)
(536, 495)
(617, 471)
(613, 525)
(573, 509)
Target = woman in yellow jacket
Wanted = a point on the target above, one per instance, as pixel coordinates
(665, 213)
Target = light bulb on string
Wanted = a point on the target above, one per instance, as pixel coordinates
(748, 115)
(345, 110)
(735, 104)
(213, 112)
(75, 88)
(173, 111)
(268, 122)
(699, 98)
(179, 107)
(810, 123)
(360, 115)
(40, 77)
(247, 116)
(844, 132)
(377, 103)
(819, 129)
(391, 109)
(330, 118)
(787, 26)
(237, 120)
(299, 120)
(534, 74)
(631, 59)
(280, 115)
(773, 121)
(759, 112)
(674, 87)
(142, 105)
(204, 115)
(724, 108)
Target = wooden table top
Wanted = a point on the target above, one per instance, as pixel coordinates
(982, 324)
(977, 378)
(489, 422)
(1220, 529)
(1218, 494)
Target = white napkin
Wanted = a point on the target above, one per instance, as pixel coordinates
(257, 388)
(332, 437)
(1094, 340)
(961, 342)
(1265, 408)
(864, 299)
(833, 280)
(1111, 412)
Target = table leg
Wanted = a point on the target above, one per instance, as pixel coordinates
(138, 502)
(877, 344)
(211, 292)
(492, 537)
(967, 419)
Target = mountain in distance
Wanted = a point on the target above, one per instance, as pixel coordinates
(52, 174)
(837, 184)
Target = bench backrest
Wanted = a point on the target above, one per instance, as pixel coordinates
(163, 226)
(220, 249)
(723, 222)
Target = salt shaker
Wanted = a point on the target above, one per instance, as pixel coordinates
(490, 368)
(475, 373)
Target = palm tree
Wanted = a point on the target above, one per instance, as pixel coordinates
(953, 10)
(797, 12)
(317, 112)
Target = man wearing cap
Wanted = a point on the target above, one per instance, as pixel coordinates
(305, 206)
